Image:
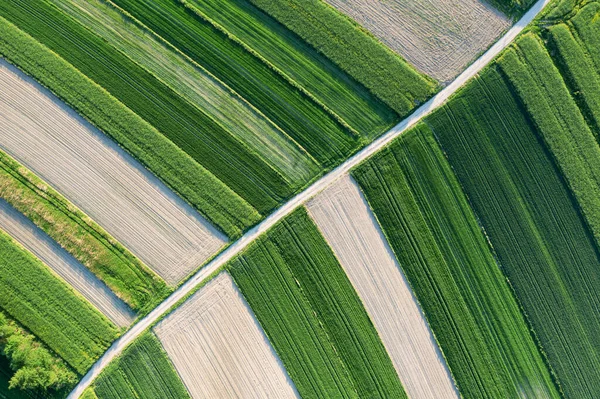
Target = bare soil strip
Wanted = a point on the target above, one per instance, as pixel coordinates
(439, 37)
(219, 349)
(343, 216)
(101, 179)
(62, 263)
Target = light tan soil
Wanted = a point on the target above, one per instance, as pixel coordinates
(343, 216)
(101, 179)
(219, 349)
(439, 37)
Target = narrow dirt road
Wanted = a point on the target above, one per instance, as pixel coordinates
(304, 196)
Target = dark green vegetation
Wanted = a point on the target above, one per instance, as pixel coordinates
(512, 8)
(532, 221)
(186, 177)
(299, 61)
(33, 367)
(441, 249)
(143, 371)
(312, 315)
(356, 52)
(123, 273)
(46, 306)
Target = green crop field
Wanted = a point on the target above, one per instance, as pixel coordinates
(356, 52)
(311, 70)
(512, 8)
(124, 274)
(46, 306)
(186, 177)
(531, 220)
(143, 371)
(312, 315)
(441, 249)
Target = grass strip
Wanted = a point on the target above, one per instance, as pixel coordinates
(143, 371)
(180, 121)
(312, 315)
(190, 180)
(466, 298)
(307, 122)
(532, 222)
(301, 62)
(356, 52)
(587, 25)
(121, 271)
(45, 305)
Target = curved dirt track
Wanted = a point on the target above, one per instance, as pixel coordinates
(101, 179)
(219, 349)
(438, 37)
(324, 182)
(343, 216)
(62, 263)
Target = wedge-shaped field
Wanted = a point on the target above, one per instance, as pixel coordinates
(345, 220)
(354, 51)
(143, 371)
(313, 317)
(311, 70)
(219, 349)
(50, 309)
(559, 121)
(532, 222)
(92, 246)
(101, 179)
(62, 263)
(195, 84)
(443, 252)
(307, 121)
(440, 38)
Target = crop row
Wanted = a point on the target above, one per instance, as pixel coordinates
(301, 63)
(124, 274)
(50, 309)
(312, 315)
(445, 257)
(190, 180)
(535, 228)
(357, 53)
(143, 371)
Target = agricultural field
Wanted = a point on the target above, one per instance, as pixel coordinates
(440, 38)
(46, 306)
(343, 216)
(530, 217)
(62, 263)
(465, 297)
(143, 371)
(53, 142)
(219, 349)
(312, 315)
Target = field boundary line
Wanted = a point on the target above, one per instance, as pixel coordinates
(300, 199)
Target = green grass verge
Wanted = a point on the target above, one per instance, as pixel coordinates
(143, 371)
(195, 84)
(532, 221)
(191, 181)
(556, 116)
(357, 53)
(112, 263)
(50, 309)
(312, 315)
(187, 126)
(301, 62)
(303, 119)
(512, 8)
(447, 261)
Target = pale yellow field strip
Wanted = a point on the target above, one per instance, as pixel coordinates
(439, 37)
(62, 263)
(345, 220)
(219, 349)
(101, 179)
